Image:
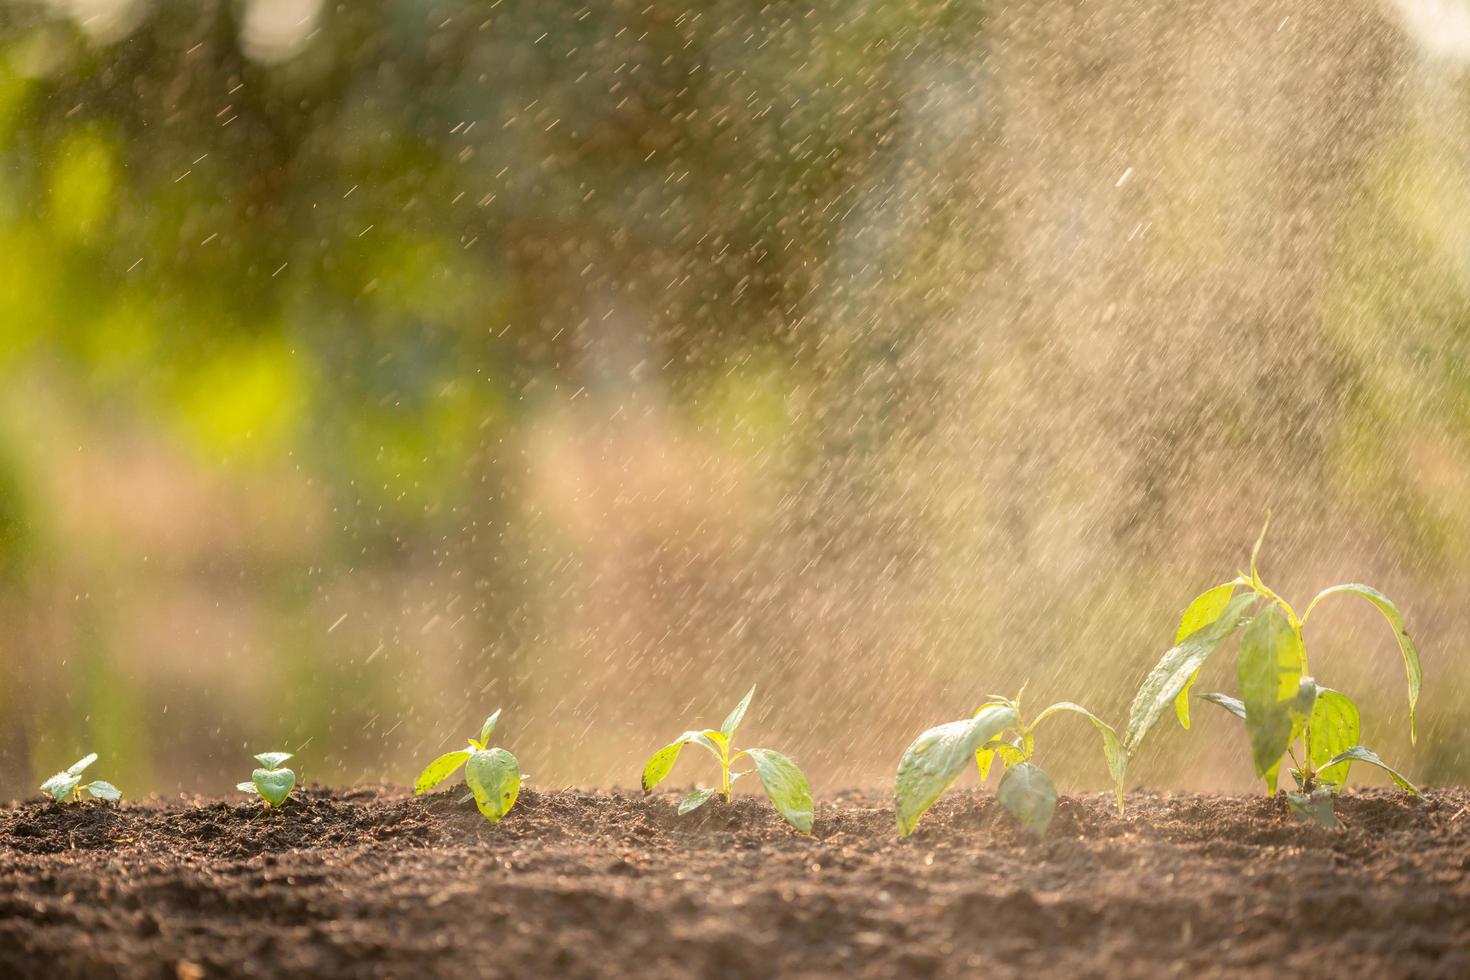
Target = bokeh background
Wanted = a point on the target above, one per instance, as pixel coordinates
(368, 366)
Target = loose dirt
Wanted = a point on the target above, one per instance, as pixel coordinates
(375, 883)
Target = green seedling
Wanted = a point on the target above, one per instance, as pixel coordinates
(272, 782)
(782, 781)
(997, 730)
(1280, 702)
(492, 775)
(66, 786)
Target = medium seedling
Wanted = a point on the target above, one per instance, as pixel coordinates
(492, 775)
(66, 786)
(1280, 703)
(782, 781)
(998, 729)
(272, 782)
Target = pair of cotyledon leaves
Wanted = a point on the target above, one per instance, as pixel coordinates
(67, 784)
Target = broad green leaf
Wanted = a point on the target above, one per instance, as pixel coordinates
(60, 786)
(1030, 796)
(935, 759)
(1334, 729)
(272, 760)
(733, 719)
(1316, 807)
(1360, 754)
(661, 762)
(103, 790)
(76, 767)
(1406, 643)
(786, 786)
(489, 727)
(1175, 668)
(1270, 672)
(1204, 610)
(984, 759)
(494, 777)
(247, 788)
(1225, 701)
(1113, 752)
(439, 770)
(274, 785)
(695, 800)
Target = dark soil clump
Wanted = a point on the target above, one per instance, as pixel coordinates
(376, 883)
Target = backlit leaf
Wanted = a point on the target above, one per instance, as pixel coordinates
(494, 777)
(695, 800)
(76, 767)
(439, 770)
(1113, 752)
(1270, 673)
(935, 759)
(272, 760)
(1225, 701)
(1360, 754)
(662, 762)
(488, 728)
(786, 786)
(1401, 633)
(1335, 729)
(1204, 610)
(733, 719)
(1029, 794)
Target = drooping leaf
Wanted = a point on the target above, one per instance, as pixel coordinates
(1225, 701)
(1175, 668)
(1269, 669)
(487, 729)
(662, 762)
(439, 770)
(695, 800)
(1335, 728)
(1029, 794)
(1113, 752)
(494, 777)
(786, 786)
(1317, 807)
(76, 767)
(935, 759)
(733, 719)
(60, 786)
(274, 785)
(1360, 754)
(102, 790)
(1204, 610)
(272, 760)
(1401, 633)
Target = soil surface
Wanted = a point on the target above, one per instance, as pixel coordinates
(376, 883)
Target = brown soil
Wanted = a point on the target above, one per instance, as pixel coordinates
(375, 883)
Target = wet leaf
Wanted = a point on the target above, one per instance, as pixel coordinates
(494, 777)
(1204, 610)
(60, 786)
(662, 762)
(695, 800)
(786, 786)
(272, 760)
(1270, 673)
(102, 790)
(440, 769)
(1113, 752)
(1401, 633)
(1335, 728)
(733, 719)
(1225, 701)
(247, 788)
(935, 759)
(1029, 794)
(274, 785)
(1360, 754)
(76, 767)
(487, 729)
(1316, 807)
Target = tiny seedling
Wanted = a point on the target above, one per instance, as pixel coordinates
(66, 786)
(493, 775)
(781, 779)
(937, 757)
(1279, 701)
(272, 782)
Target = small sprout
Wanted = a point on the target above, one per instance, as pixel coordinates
(781, 779)
(272, 782)
(997, 730)
(1280, 702)
(66, 786)
(492, 775)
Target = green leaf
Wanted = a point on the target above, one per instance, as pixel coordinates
(494, 777)
(1029, 794)
(734, 718)
(1317, 807)
(786, 787)
(1360, 754)
(274, 785)
(661, 762)
(247, 788)
(1270, 673)
(695, 800)
(984, 759)
(1204, 610)
(1406, 643)
(1113, 752)
(439, 770)
(1225, 701)
(103, 790)
(1335, 728)
(935, 759)
(272, 760)
(489, 727)
(1174, 670)
(60, 786)
(76, 767)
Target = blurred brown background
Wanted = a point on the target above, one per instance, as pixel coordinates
(365, 367)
